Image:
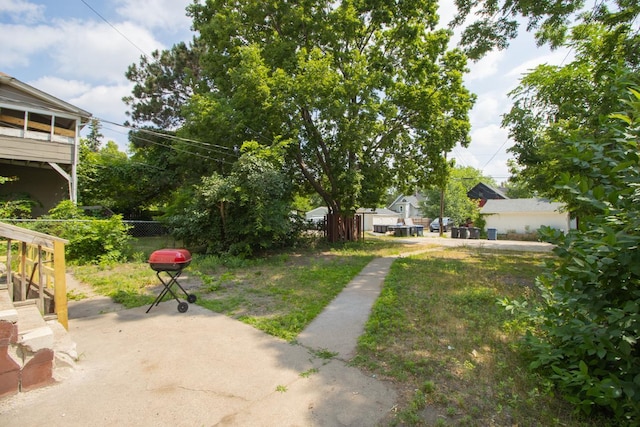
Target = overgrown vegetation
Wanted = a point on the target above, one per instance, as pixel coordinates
(438, 332)
(278, 293)
(90, 240)
(246, 212)
(15, 205)
(587, 325)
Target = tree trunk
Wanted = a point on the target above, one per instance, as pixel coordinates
(343, 228)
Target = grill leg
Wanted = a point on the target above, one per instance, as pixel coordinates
(167, 288)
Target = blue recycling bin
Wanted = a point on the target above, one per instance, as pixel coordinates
(492, 233)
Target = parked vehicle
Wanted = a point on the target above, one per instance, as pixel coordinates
(435, 224)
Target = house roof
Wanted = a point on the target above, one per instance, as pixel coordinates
(413, 199)
(377, 211)
(483, 191)
(22, 94)
(319, 211)
(323, 210)
(496, 206)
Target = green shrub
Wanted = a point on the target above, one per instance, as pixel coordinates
(90, 240)
(15, 205)
(240, 214)
(588, 326)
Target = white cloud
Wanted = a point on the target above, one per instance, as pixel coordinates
(168, 15)
(488, 146)
(77, 49)
(486, 67)
(558, 57)
(489, 108)
(22, 11)
(60, 88)
(95, 52)
(25, 43)
(104, 101)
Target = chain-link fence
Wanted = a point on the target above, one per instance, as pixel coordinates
(136, 228)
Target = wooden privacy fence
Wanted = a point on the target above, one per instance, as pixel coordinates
(40, 272)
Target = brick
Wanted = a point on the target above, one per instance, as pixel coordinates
(9, 374)
(38, 371)
(8, 333)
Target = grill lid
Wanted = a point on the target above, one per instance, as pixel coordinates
(169, 259)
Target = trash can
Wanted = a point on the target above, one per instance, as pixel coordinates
(455, 233)
(464, 232)
(492, 233)
(474, 233)
(420, 230)
(402, 231)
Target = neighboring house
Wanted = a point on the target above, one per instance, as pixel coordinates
(407, 206)
(379, 216)
(524, 215)
(39, 141)
(484, 192)
(316, 215)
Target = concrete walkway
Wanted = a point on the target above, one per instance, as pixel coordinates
(338, 327)
(167, 368)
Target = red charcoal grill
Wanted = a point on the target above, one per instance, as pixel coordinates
(171, 262)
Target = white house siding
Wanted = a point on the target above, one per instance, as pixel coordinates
(524, 215)
(526, 223)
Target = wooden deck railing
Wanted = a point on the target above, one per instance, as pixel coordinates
(40, 272)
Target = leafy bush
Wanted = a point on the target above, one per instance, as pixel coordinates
(240, 214)
(15, 205)
(90, 240)
(588, 326)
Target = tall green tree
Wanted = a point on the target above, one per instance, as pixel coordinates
(163, 83)
(555, 103)
(576, 132)
(586, 331)
(359, 92)
(94, 137)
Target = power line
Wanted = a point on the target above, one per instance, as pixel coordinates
(187, 141)
(118, 31)
(495, 154)
(180, 150)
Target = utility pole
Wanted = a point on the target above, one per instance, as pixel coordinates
(444, 183)
(441, 210)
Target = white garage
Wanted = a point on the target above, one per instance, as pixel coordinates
(524, 215)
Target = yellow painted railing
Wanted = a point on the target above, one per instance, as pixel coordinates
(40, 269)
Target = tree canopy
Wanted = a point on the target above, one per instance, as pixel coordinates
(361, 95)
(553, 104)
(498, 21)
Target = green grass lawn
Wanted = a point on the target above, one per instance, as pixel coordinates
(436, 331)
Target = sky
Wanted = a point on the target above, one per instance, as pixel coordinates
(79, 51)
